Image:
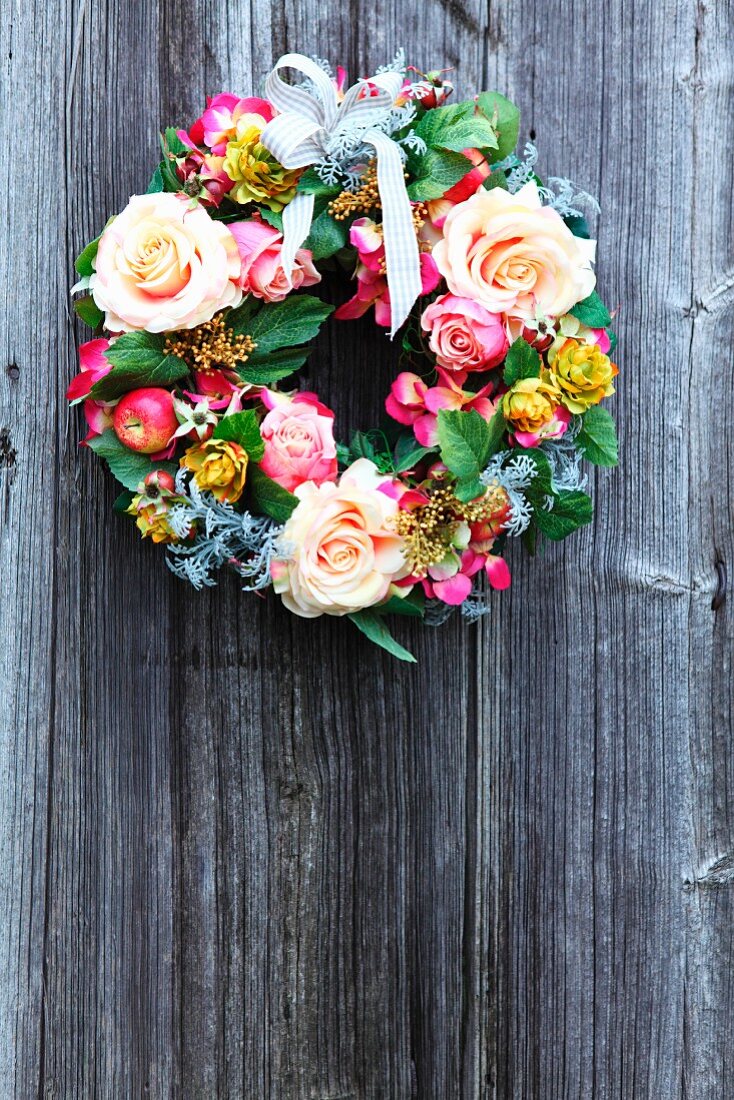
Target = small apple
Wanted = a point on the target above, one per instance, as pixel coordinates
(144, 420)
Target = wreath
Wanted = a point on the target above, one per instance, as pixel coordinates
(201, 294)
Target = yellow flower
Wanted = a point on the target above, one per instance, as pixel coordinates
(530, 403)
(150, 522)
(219, 467)
(583, 374)
(257, 175)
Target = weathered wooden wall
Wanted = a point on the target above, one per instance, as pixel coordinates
(246, 856)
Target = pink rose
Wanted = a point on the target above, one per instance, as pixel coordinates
(299, 442)
(163, 265)
(262, 272)
(464, 335)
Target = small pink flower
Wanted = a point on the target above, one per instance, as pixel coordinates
(218, 386)
(449, 395)
(298, 433)
(202, 174)
(98, 415)
(219, 121)
(262, 272)
(554, 429)
(372, 287)
(406, 400)
(464, 335)
(94, 365)
(601, 337)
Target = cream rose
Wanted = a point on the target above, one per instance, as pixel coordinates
(163, 264)
(513, 255)
(341, 552)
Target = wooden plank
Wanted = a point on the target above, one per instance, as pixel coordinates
(246, 856)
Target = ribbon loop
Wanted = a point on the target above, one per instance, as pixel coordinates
(310, 122)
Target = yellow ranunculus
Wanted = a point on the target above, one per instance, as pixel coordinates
(257, 175)
(583, 374)
(219, 467)
(530, 404)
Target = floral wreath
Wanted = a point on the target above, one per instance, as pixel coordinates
(196, 295)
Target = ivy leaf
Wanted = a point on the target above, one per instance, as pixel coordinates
(571, 510)
(242, 428)
(597, 439)
(296, 320)
(373, 626)
(326, 236)
(87, 309)
(138, 359)
(268, 497)
(592, 312)
(262, 370)
(465, 442)
(84, 262)
(437, 171)
(505, 119)
(522, 361)
(129, 467)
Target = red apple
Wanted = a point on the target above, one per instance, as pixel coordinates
(144, 420)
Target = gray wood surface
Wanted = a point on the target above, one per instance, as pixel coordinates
(246, 856)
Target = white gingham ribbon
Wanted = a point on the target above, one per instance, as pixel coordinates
(300, 135)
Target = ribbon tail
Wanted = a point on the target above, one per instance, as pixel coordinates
(297, 217)
(402, 257)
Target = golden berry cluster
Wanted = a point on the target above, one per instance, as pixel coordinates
(211, 346)
(429, 529)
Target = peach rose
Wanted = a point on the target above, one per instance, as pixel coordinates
(298, 434)
(163, 265)
(262, 272)
(464, 335)
(513, 255)
(342, 553)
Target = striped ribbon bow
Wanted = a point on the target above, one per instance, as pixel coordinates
(308, 127)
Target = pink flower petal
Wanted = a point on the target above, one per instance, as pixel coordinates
(498, 572)
(453, 591)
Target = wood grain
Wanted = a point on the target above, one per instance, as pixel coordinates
(246, 856)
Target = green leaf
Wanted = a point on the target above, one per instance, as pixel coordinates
(84, 262)
(597, 439)
(123, 502)
(138, 359)
(172, 143)
(242, 428)
(296, 320)
(129, 467)
(592, 312)
(274, 366)
(468, 133)
(412, 605)
(89, 311)
(464, 441)
(272, 217)
(571, 510)
(268, 497)
(437, 123)
(495, 179)
(311, 183)
(469, 489)
(505, 119)
(522, 361)
(578, 226)
(326, 236)
(156, 183)
(372, 625)
(408, 453)
(437, 171)
(361, 446)
(497, 429)
(238, 319)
